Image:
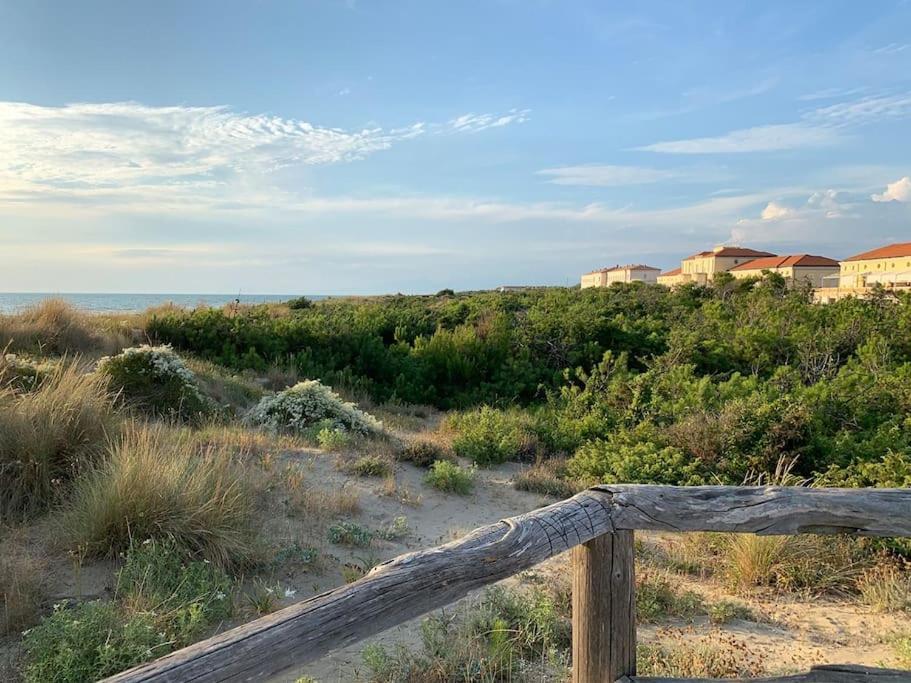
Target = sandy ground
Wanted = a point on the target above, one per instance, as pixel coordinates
(789, 635)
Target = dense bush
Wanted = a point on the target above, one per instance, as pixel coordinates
(311, 403)
(49, 435)
(699, 384)
(17, 374)
(156, 380)
(489, 436)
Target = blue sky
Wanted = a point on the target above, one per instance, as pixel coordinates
(364, 147)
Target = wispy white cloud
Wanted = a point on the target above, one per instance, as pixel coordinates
(892, 49)
(474, 123)
(104, 151)
(757, 139)
(817, 128)
(602, 175)
(899, 191)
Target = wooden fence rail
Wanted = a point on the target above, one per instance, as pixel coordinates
(597, 523)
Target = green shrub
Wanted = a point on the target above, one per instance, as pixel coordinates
(299, 303)
(370, 466)
(157, 576)
(612, 461)
(422, 453)
(489, 436)
(50, 435)
(157, 484)
(333, 439)
(311, 403)
(450, 478)
(724, 611)
(350, 533)
(156, 380)
(90, 641)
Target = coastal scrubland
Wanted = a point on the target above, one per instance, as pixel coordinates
(169, 474)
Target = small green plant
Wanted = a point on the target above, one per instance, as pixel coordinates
(156, 380)
(352, 571)
(350, 534)
(723, 611)
(89, 641)
(263, 596)
(295, 554)
(333, 439)
(451, 478)
(903, 649)
(422, 453)
(371, 466)
(657, 599)
(18, 374)
(159, 577)
(397, 530)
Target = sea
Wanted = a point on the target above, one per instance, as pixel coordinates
(12, 302)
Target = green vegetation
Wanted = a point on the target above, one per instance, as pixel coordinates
(312, 405)
(422, 453)
(350, 534)
(495, 639)
(640, 384)
(450, 478)
(166, 599)
(156, 380)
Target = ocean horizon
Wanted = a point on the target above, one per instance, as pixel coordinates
(99, 302)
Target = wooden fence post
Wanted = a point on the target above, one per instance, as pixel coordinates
(604, 609)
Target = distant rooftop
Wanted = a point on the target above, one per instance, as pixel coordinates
(730, 251)
(799, 260)
(629, 266)
(675, 271)
(897, 250)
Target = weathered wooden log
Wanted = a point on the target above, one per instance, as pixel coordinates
(837, 673)
(604, 608)
(414, 584)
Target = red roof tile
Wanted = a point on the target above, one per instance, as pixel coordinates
(675, 271)
(889, 251)
(798, 260)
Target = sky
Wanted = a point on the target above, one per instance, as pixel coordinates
(355, 147)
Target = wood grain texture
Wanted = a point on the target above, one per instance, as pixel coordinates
(604, 608)
(416, 583)
(836, 673)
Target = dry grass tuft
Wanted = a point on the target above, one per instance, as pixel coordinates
(717, 655)
(548, 477)
(155, 484)
(54, 327)
(315, 503)
(886, 587)
(23, 579)
(49, 435)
